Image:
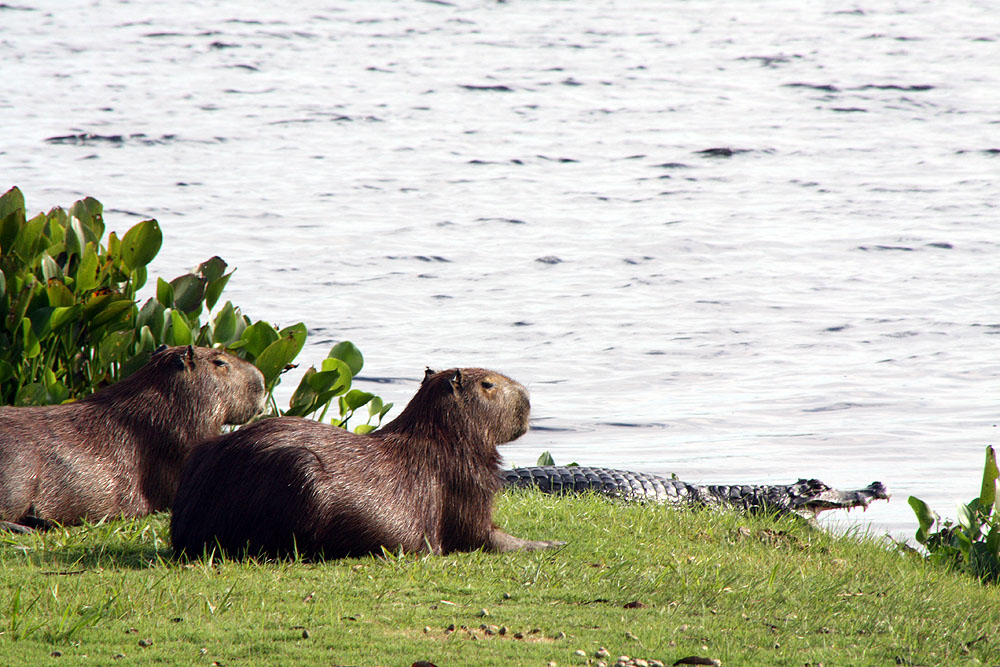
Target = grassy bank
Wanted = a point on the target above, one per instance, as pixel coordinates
(642, 581)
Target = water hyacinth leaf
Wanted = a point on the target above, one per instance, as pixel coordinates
(63, 315)
(151, 317)
(87, 273)
(29, 240)
(147, 341)
(364, 429)
(272, 361)
(11, 216)
(375, 406)
(257, 337)
(50, 270)
(987, 494)
(344, 372)
(925, 517)
(6, 371)
(178, 332)
(188, 290)
(214, 290)
(32, 394)
(356, 398)
(304, 396)
(384, 410)
(59, 294)
(3, 284)
(348, 352)
(117, 311)
(29, 342)
(329, 380)
(89, 212)
(141, 244)
(138, 278)
(224, 329)
(212, 269)
(113, 346)
(545, 460)
(967, 519)
(164, 293)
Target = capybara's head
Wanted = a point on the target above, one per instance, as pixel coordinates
(227, 387)
(471, 404)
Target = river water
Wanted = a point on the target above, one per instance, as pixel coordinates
(739, 242)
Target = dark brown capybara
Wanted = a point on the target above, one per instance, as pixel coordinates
(424, 482)
(119, 451)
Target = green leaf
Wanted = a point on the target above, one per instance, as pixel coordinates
(59, 294)
(355, 398)
(987, 494)
(32, 394)
(141, 243)
(214, 290)
(6, 371)
(29, 341)
(3, 284)
(88, 272)
(925, 517)
(29, 240)
(164, 293)
(257, 337)
(375, 406)
(50, 270)
(178, 332)
(343, 377)
(212, 269)
(303, 398)
(117, 310)
(364, 429)
(189, 290)
(61, 316)
(112, 347)
(89, 212)
(11, 217)
(967, 519)
(545, 460)
(272, 361)
(347, 352)
(224, 328)
(151, 316)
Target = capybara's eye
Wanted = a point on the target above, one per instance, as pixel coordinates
(220, 362)
(486, 384)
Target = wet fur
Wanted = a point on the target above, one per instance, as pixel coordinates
(424, 482)
(119, 451)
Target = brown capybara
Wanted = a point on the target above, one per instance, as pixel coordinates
(119, 451)
(424, 482)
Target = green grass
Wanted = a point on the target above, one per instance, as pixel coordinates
(747, 591)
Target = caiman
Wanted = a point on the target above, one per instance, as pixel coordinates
(806, 497)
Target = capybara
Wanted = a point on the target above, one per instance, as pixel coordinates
(424, 482)
(119, 451)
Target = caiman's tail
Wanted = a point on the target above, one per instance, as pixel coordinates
(808, 497)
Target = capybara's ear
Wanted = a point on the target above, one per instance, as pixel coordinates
(184, 359)
(428, 372)
(456, 379)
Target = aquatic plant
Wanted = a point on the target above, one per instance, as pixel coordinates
(70, 322)
(973, 544)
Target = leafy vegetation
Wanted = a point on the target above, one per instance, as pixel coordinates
(641, 580)
(70, 322)
(973, 544)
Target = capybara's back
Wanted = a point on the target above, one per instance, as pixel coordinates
(424, 482)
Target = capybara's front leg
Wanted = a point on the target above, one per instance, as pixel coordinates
(501, 541)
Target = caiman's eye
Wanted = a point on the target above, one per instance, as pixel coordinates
(486, 384)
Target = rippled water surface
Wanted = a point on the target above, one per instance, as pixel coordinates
(740, 242)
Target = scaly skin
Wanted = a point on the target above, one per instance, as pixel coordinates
(807, 497)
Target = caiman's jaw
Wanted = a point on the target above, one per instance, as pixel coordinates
(817, 497)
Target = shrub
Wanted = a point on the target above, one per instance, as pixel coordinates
(70, 322)
(974, 543)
